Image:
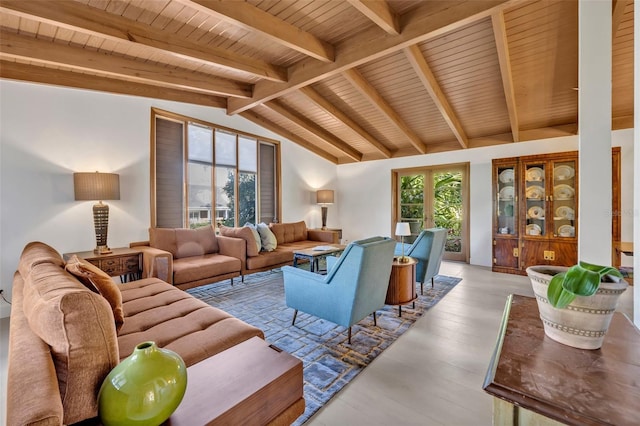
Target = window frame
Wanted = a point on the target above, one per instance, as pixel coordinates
(157, 113)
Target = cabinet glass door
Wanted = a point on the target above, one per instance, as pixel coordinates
(563, 206)
(535, 196)
(507, 211)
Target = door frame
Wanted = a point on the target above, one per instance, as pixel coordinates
(463, 256)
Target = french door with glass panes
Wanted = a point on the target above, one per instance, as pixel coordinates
(435, 197)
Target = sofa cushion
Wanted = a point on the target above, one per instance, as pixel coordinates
(195, 242)
(163, 239)
(196, 268)
(35, 253)
(96, 279)
(256, 235)
(78, 326)
(270, 258)
(177, 321)
(289, 232)
(244, 233)
(268, 239)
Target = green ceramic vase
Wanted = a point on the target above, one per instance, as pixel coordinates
(144, 389)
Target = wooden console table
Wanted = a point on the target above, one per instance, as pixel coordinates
(124, 262)
(402, 288)
(252, 383)
(538, 381)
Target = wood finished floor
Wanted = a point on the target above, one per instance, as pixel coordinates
(433, 374)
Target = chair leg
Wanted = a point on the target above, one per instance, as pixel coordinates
(243, 279)
(231, 282)
(295, 314)
(421, 289)
(374, 318)
(432, 281)
(349, 335)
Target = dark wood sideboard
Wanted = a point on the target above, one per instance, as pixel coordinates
(536, 380)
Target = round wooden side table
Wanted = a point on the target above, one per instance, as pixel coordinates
(402, 288)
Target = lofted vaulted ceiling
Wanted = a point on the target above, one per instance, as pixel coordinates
(350, 80)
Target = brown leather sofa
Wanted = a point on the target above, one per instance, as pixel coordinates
(63, 340)
(290, 236)
(188, 258)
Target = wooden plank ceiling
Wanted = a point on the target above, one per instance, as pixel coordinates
(350, 80)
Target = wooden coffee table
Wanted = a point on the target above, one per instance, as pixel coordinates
(313, 256)
(250, 383)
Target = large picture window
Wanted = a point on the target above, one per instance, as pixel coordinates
(203, 174)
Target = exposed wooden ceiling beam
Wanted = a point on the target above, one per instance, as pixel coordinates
(261, 121)
(254, 19)
(422, 69)
(47, 52)
(500, 35)
(330, 109)
(308, 125)
(90, 20)
(618, 7)
(380, 13)
(429, 20)
(36, 74)
(383, 106)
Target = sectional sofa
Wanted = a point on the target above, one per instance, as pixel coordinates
(65, 338)
(190, 257)
(289, 236)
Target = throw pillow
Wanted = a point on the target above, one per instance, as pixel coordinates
(256, 235)
(268, 239)
(245, 234)
(96, 279)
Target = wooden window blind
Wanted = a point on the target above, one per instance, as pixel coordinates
(267, 178)
(169, 174)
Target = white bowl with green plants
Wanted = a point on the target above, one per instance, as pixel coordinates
(577, 303)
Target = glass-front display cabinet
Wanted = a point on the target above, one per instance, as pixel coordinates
(535, 212)
(505, 220)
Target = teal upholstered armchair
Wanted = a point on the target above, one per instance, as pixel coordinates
(427, 249)
(354, 287)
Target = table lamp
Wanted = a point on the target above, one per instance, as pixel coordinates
(403, 230)
(98, 187)
(324, 197)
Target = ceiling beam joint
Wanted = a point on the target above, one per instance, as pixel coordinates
(258, 21)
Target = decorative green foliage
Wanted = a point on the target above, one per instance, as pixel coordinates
(582, 279)
(447, 203)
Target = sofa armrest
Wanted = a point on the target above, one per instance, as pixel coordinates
(156, 263)
(33, 394)
(137, 244)
(234, 247)
(324, 236)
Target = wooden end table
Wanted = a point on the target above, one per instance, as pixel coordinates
(123, 262)
(402, 288)
(251, 383)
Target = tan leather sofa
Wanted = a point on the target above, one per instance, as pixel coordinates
(290, 236)
(188, 258)
(63, 340)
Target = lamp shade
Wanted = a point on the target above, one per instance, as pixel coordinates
(403, 229)
(96, 186)
(324, 196)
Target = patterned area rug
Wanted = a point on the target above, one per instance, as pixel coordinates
(329, 361)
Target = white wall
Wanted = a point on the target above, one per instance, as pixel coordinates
(364, 189)
(47, 133)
